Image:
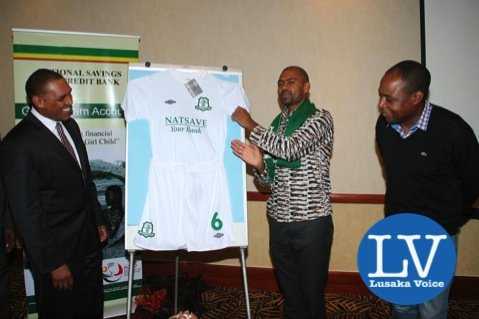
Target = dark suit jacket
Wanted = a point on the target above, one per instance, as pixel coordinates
(52, 201)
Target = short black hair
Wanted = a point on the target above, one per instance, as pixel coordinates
(113, 195)
(301, 71)
(114, 188)
(416, 76)
(37, 81)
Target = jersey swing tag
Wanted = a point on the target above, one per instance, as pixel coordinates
(193, 88)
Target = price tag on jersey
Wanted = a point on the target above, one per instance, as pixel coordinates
(193, 88)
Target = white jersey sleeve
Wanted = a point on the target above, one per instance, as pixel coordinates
(133, 104)
(234, 97)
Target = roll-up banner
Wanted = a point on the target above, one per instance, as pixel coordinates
(96, 67)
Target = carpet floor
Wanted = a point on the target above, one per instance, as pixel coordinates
(221, 303)
(229, 303)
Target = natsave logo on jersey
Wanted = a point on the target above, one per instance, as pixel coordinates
(185, 124)
(406, 259)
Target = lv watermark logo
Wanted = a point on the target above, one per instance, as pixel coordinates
(406, 259)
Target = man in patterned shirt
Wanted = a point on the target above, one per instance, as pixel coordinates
(292, 157)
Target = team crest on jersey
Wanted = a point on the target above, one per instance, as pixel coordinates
(203, 104)
(146, 230)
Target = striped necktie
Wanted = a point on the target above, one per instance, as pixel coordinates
(64, 140)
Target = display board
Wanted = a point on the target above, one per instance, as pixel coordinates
(95, 66)
(450, 51)
(139, 156)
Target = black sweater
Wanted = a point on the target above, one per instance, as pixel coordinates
(433, 172)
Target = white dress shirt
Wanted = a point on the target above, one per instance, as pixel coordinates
(50, 125)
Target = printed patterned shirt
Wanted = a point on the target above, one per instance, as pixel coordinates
(303, 193)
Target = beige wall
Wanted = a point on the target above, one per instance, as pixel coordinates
(345, 45)
(351, 221)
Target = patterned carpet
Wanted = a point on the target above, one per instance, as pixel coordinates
(16, 286)
(229, 303)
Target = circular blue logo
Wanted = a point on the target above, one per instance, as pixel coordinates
(406, 259)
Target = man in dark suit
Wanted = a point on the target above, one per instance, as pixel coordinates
(53, 202)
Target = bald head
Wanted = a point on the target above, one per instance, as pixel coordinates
(304, 75)
(293, 87)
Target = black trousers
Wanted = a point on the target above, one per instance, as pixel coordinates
(84, 301)
(300, 254)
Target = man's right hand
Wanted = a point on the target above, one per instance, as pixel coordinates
(62, 278)
(244, 119)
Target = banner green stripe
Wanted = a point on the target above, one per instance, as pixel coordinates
(41, 49)
(115, 286)
(117, 291)
(81, 111)
(31, 304)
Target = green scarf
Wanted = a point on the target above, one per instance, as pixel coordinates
(295, 120)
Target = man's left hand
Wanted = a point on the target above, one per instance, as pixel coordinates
(102, 233)
(249, 153)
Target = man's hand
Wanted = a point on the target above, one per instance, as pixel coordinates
(10, 240)
(249, 153)
(185, 315)
(102, 233)
(62, 278)
(243, 118)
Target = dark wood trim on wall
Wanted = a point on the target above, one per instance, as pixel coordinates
(257, 196)
(422, 18)
(335, 198)
(466, 288)
(357, 198)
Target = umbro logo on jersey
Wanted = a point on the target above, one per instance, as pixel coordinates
(170, 102)
(218, 235)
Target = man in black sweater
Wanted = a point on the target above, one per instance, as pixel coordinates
(431, 161)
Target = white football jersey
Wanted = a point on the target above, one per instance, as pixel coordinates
(187, 204)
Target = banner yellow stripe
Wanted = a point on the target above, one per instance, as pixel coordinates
(60, 57)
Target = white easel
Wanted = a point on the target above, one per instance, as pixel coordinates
(177, 272)
(177, 260)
